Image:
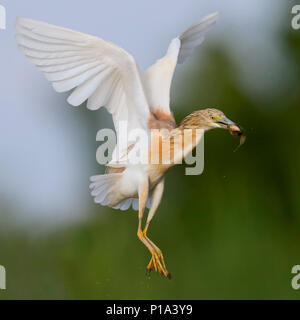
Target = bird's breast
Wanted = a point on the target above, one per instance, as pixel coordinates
(155, 173)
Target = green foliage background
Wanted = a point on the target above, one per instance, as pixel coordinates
(233, 232)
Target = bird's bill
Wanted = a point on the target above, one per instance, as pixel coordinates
(226, 123)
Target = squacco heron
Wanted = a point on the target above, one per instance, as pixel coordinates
(106, 75)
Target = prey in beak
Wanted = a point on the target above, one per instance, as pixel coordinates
(234, 129)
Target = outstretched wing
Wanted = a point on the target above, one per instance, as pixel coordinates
(98, 71)
(158, 78)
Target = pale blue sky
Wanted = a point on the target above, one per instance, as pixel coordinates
(45, 147)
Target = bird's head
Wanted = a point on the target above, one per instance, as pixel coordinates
(211, 118)
(207, 119)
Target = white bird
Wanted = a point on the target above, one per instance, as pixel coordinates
(106, 75)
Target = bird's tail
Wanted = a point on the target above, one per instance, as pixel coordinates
(102, 188)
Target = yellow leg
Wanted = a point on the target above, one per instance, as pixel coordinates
(157, 261)
(157, 258)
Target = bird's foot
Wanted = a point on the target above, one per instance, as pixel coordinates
(157, 264)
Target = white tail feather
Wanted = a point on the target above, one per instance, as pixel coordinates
(134, 202)
(103, 189)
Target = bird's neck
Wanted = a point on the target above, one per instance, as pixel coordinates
(179, 142)
(182, 141)
(193, 123)
(189, 133)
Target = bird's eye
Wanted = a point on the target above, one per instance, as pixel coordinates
(216, 118)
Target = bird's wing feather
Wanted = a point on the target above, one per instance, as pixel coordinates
(98, 71)
(158, 78)
(195, 35)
